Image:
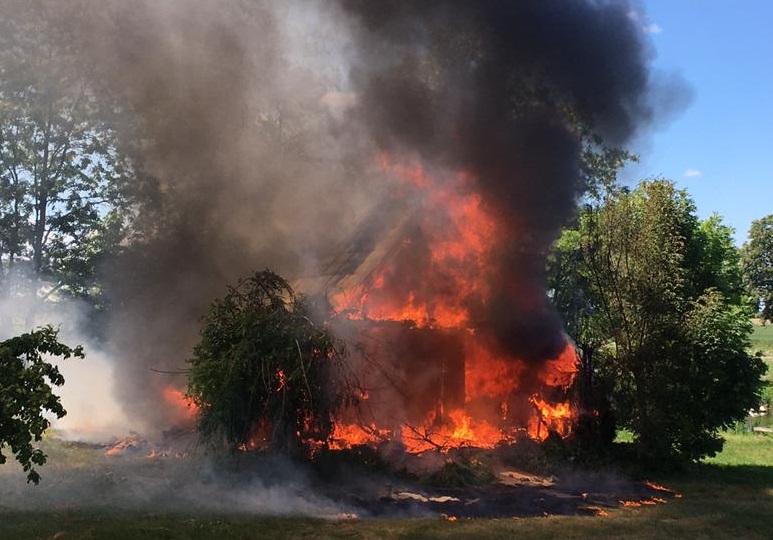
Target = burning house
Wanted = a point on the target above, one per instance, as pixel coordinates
(410, 161)
(405, 290)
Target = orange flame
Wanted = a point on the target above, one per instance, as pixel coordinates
(458, 430)
(281, 380)
(549, 418)
(462, 235)
(183, 405)
(348, 435)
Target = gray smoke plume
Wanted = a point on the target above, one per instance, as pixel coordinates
(232, 106)
(255, 122)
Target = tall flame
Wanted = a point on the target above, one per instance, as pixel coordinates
(459, 237)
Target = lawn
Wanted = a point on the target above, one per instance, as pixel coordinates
(762, 339)
(730, 496)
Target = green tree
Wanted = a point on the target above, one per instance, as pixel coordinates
(650, 286)
(715, 262)
(63, 189)
(570, 282)
(757, 254)
(264, 370)
(26, 394)
(717, 382)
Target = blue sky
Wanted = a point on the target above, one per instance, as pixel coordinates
(719, 148)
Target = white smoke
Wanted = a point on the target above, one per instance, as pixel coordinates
(88, 395)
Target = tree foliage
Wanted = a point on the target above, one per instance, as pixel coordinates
(63, 192)
(263, 372)
(758, 264)
(27, 395)
(652, 296)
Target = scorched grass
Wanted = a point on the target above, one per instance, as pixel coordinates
(730, 496)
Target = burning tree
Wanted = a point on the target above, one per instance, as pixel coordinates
(262, 373)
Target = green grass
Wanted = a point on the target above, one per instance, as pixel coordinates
(745, 450)
(762, 339)
(730, 496)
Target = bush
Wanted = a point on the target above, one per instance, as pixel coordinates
(264, 373)
(462, 471)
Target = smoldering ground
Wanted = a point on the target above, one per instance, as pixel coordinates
(81, 476)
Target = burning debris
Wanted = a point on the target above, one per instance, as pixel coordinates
(516, 494)
(135, 445)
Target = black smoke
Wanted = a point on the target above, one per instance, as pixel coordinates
(507, 90)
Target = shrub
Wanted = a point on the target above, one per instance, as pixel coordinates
(265, 373)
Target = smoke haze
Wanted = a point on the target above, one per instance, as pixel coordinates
(234, 109)
(256, 123)
(189, 485)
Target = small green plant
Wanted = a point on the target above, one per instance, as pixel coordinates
(462, 471)
(767, 396)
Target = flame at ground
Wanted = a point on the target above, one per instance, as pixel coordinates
(433, 279)
(457, 430)
(348, 435)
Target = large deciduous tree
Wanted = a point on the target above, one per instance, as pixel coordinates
(758, 264)
(653, 299)
(62, 196)
(27, 395)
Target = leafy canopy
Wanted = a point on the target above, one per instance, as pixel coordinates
(27, 395)
(64, 184)
(653, 298)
